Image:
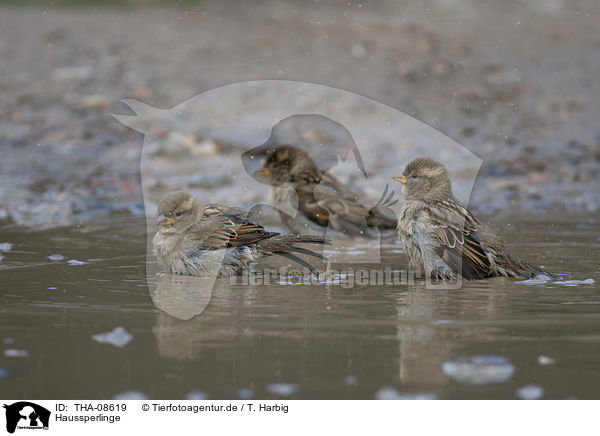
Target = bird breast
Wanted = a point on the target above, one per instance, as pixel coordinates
(285, 199)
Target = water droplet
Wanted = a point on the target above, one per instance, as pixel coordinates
(76, 262)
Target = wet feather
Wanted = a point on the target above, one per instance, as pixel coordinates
(442, 238)
(212, 239)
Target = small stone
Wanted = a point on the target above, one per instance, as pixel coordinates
(387, 393)
(479, 369)
(140, 92)
(16, 353)
(284, 389)
(245, 394)
(205, 148)
(350, 380)
(95, 101)
(419, 396)
(468, 131)
(535, 178)
(119, 337)
(130, 395)
(4, 373)
(196, 395)
(545, 360)
(530, 392)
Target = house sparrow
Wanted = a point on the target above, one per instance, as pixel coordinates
(442, 238)
(210, 239)
(322, 200)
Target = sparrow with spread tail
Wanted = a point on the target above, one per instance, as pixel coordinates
(322, 200)
(442, 238)
(210, 239)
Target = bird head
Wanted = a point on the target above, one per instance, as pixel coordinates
(178, 211)
(425, 179)
(288, 164)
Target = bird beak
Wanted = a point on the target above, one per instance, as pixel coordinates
(263, 172)
(400, 179)
(164, 221)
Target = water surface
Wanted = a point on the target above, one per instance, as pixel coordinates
(284, 341)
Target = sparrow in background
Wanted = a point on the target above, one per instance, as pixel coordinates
(209, 239)
(442, 238)
(322, 200)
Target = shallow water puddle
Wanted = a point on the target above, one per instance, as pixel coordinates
(330, 338)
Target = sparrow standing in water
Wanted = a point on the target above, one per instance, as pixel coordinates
(442, 238)
(209, 239)
(322, 200)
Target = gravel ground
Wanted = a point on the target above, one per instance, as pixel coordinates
(516, 84)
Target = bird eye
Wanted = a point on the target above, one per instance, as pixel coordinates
(414, 176)
(275, 165)
(178, 213)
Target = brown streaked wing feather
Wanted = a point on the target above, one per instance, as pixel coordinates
(223, 227)
(376, 217)
(458, 244)
(309, 206)
(345, 213)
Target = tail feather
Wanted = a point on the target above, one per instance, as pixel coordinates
(528, 269)
(298, 260)
(285, 246)
(306, 239)
(308, 252)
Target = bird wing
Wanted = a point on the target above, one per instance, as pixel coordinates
(330, 203)
(223, 227)
(456, 240)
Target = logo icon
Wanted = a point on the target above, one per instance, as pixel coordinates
(26, 415)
